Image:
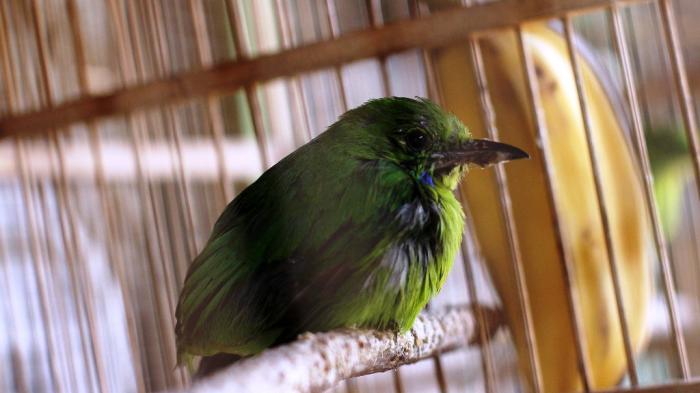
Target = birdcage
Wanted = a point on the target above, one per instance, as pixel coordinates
(126, 126)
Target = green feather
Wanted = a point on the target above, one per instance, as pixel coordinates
(354, 228)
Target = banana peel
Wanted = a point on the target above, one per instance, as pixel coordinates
(576, 204)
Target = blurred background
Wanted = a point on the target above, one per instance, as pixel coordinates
(126, 126)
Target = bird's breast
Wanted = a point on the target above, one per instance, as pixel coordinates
(420, 246)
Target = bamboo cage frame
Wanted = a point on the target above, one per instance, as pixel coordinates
(446, 27)
(208, 80)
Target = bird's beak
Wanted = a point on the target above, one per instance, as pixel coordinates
(481, 152)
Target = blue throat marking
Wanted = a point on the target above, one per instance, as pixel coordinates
(427, 179)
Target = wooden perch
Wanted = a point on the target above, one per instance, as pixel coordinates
(315, 362)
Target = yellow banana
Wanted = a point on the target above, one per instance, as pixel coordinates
(575, 199)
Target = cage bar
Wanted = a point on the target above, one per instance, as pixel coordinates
(622, 53)
(593, 155)
(685, 98)
(173, 131)
(68, 217)
(487, 362)
(688, 387)
(52, 255)
(18, 376)
(332, 16)
(163, 306)
(296, 89)
(159, 272)
(39, 263)
(214, 110)
(38, 260)
(374, 8)
(507, 212)
(542, 143)
(118, 23)
(108, 213)
(243, 52)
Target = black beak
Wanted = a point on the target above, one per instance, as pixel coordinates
(481, 152)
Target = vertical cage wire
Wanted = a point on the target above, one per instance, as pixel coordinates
(6, 293)
(67, 215)
(622, 53)
(213, 104)
(296, 92)
(173, 129)
(685, 98)
(507, 212)
(542, 143)
(105, 202)
(155, 127)
(574, 305)
(38, 260)
(374, 9)
(487, 361)
(244, 52)
(593, 155)
(136, 124)
(432, 84)
(127, 74)
(52, 255)
(535, 106)
(332, 17)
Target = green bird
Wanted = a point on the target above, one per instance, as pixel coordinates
(357, 228)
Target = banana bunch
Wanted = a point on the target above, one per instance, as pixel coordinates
(575, 201)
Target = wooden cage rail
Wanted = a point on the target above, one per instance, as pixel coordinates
(445, 27)
(688, 387)
(316, 362)
(118, 162)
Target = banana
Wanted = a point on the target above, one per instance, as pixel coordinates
(576, 202)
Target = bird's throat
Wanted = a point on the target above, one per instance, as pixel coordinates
(451, 179)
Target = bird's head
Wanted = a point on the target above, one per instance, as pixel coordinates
(427, 142)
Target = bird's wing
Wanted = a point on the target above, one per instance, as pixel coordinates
(284, 251)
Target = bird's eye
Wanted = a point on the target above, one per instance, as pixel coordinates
(417, 140)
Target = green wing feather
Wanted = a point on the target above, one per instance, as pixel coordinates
(268, 258)
(326, 238)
